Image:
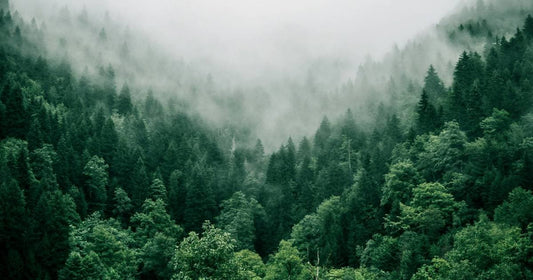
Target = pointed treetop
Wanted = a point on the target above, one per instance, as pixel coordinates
(528, 26)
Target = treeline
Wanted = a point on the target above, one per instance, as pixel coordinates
(73, 147)
(447, 198)
(97, 184)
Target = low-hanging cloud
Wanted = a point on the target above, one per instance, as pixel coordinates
(280, 58)
(251, 37)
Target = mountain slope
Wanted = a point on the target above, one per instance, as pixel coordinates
(99, 182)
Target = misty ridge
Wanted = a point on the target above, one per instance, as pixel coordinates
(270, 98)
(284, 94)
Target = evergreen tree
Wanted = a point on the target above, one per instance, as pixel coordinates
(427, 119)
(22, 171)
(158, 190)
(258, 152)
(322, 135)
(469, 68)
(152, 219)
(96, 182)
(319, 235)
(200, 201)
(177, 196)
(434, 87)
(123, 206)
(35, 138)
(528, 26)
(237, 218)
(216, 262)
(516, 210)
(484, 250)
(13, 228)
(78, 267)
(42, 164)
(15, 122)
(100, 249)
(108, 141)
(473, 109)
(139, 183)
(79, 199)
(285, 264)
(399, 184)
(53, 214)
(124, 105)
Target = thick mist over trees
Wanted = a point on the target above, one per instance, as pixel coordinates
(244, 63)
(285, 64)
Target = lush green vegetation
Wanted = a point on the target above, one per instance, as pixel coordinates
(96, 184)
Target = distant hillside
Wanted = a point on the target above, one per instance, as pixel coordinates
(92, 40)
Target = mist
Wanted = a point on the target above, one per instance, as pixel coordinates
(273, 66)
(249, 40)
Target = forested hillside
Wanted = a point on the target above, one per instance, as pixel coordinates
(97, 183)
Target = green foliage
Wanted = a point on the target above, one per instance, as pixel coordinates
(306, 235)
(176, 195)
(86, 267)
(342, 274)
(42, 162)
(364, 193)
(464, 101)
(156, 255)
(486, 250)
(364, 273)
(496, 123)
(200, 202)
(381, 252)
(139, 183)
(430, 211)
(210, 256)
(399, 184)
(528, 26)
(108, 141)
(428, 119)
(13, 223)
(123, 206)
(15, 122)
(442, 269)
(322, 134)
(100, 249)
(53, 215)
(157, 190)
(250, 264)
(153, 219)
(124, 105)
(434, 87)
(96, 181)
(285, 264)
(318, 235)
(237, 218)
(443, 153)
(517, 210)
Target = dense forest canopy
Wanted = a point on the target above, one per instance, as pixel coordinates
(435, 181)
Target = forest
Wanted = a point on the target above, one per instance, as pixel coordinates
(97, 182)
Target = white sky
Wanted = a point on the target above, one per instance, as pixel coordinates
(275, 35)
(318, 27)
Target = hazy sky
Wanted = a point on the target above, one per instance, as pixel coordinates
(272, 34)
(252, 36)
